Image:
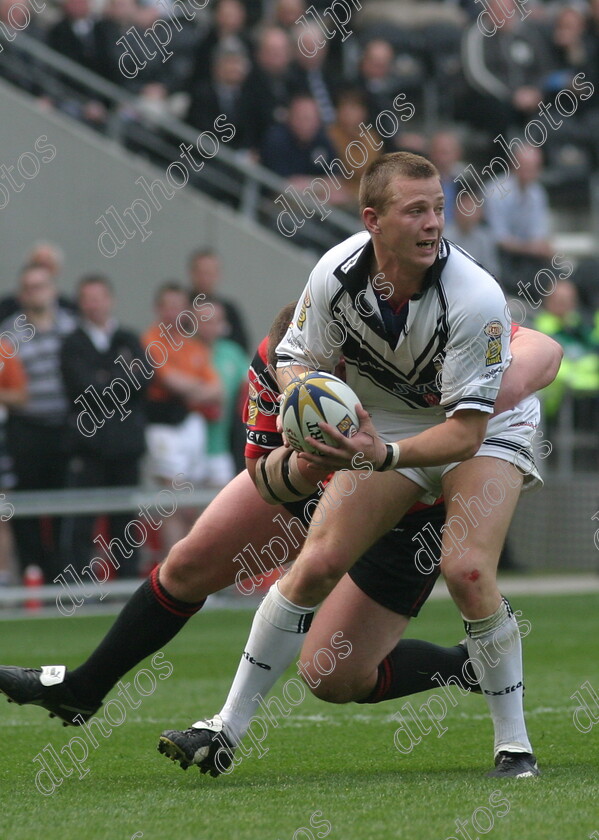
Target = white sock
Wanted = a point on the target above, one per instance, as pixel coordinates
(276, 637)
(495, 648)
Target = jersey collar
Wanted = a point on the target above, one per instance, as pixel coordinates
(353, 274)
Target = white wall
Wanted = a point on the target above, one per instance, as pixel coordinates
(87, 175)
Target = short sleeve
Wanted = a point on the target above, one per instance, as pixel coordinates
(477, 352)
(314, 338)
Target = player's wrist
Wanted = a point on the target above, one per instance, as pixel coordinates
(391, 459)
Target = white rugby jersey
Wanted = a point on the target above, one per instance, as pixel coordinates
(450, 355)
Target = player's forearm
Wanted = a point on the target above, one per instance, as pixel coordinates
(457, 439)
(536, 359)
(286, 373)
(281, 477)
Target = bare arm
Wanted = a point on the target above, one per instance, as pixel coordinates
(310, 473)
(535, 362)
(288, 372)
(456, 439)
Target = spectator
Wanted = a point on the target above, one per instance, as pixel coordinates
(205, 277)
(286, 12)
(446, 153)
(183, 393)
(49, 256)
(223, 94)
(377, 78)
(16, 65)
(227, 32)
(469, 231)
(231, 363)
(118, 16)
(504, 73)
(106, 441)
(35, 431)
(562, 319)
(311, 75)
(520, 221)
(267, 89)
(290, 150)
(572, 51)
(351, 114)
(74, 36)
(13, 394)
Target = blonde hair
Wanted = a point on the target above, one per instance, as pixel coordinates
(375, 186)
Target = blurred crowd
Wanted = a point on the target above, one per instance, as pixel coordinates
(86, 402)
(297, 87)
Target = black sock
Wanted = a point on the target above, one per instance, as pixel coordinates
(149, 619)
(411, 664)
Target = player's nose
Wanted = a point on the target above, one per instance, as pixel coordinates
(431, 220)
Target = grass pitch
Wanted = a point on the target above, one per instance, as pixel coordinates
(330, 771)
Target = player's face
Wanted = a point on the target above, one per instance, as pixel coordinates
(411, 226)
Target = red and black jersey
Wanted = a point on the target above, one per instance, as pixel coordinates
(262, 407)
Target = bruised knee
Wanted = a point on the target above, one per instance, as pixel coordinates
(469, 578)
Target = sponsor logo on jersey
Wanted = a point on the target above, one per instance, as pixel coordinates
(494, 330)
(302, 316)
(493, 354)
(422, 388)
(252, 412)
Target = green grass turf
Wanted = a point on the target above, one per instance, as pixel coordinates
(338, 760)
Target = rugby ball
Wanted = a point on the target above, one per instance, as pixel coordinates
(314, 398)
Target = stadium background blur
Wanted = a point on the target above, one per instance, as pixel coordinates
(129, 169)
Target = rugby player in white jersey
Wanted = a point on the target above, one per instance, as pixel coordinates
(424, 331)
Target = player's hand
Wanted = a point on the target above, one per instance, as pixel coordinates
(366, 441)
(280, 428)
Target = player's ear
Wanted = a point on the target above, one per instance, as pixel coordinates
(370, 219)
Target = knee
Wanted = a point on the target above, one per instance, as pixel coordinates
(329, 689)
(317, 575)
(183, 571)
(469, 579)
(329, 679)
